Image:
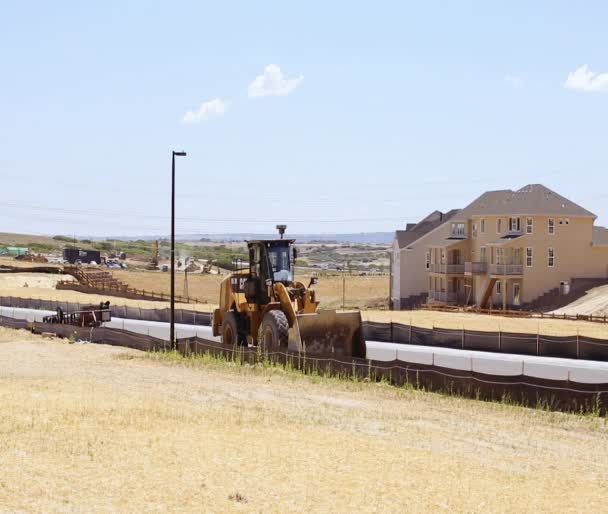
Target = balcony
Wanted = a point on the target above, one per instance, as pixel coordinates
(474, 268)
(442, 296)
(506, 269)
(454, 269)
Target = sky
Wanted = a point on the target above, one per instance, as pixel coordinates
(331, 117)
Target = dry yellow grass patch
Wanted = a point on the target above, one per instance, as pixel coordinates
(490, 323)
(88, 428)
(77, 297)
(360, 291)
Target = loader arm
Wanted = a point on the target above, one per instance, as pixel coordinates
(286, 306)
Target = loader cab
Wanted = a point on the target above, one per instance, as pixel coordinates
(270, 261)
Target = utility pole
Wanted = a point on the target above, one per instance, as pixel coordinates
(186, 293)
(172, 340)
(343, 288)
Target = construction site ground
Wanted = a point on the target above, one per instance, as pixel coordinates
(97, 428)
(595, 302)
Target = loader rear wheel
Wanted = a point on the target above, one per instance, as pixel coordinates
(230, 329)
(274, 330)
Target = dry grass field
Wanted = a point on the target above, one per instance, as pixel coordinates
(366, 290)
(93, 428)
(489, 323)
(360, 291)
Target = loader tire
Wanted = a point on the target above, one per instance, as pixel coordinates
(274, 330)
(230, 329)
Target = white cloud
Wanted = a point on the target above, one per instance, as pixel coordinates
(208, 110)
(514, 81)
(583, 79)
(272, 82)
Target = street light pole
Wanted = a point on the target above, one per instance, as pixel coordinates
(172, 325)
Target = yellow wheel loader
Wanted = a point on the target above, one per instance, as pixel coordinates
(262, 304)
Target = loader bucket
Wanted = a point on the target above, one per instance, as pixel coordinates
(328, 333)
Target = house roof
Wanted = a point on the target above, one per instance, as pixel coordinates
(600, 236)
(533, 199)
(424, 226)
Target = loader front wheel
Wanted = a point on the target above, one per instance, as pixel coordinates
(230, 329)
(274, 330)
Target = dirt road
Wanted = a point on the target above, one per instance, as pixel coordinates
(89, 428)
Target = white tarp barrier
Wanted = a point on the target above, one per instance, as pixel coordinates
(415, 354)
(25, 314)
(381, 351)
(159, 329)
(548, 369)
(453, 359)
(587, 372)
(551, 368)
(498, 364)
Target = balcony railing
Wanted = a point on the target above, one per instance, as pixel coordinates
(506, 269)
(475, 267)
(442, 296)
(447, 268)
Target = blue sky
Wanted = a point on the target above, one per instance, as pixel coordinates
(373, 114)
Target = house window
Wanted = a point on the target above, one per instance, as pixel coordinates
(483, 226)
(499, 287)
(442, 256)
(474, 230)
(482, 254)
(499, 255)
(498, 226)
(551, 257)
(514, 224)
(458, 229)
(529, 257)
(428, 260)
(529, 225)
(551, 226)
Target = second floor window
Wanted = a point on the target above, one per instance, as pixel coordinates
(529, 225)
(483, 226)
(498, 226)
(499, 256)
(428, 260)
(551, 257)
(499, 287)
(458, 229)
(514, 224)
(483, 254)
(551, 226)
(529, 257)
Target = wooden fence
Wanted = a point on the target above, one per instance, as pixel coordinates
(516, 314)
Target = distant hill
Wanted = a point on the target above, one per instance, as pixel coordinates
(363, 237)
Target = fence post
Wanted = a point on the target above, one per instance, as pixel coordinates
(410, 330)
(391, 332)
(499, 340)
(538, 340)
(578, 344)
(463, 337)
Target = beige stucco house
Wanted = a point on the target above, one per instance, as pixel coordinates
(505, 249)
